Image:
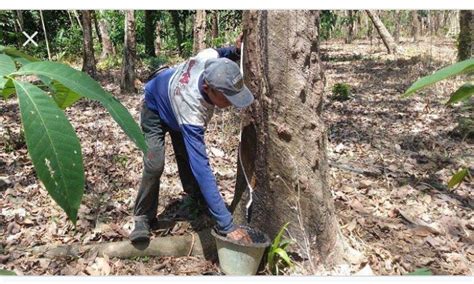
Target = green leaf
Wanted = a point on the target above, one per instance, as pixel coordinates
(4, 272)
(463, 93)
(7, 66)
(8, 89)
(459, 68)
(277, 240)
(53, 146)
(82, 84)
(284, 244)
(283, 255)
(18, 54)
(63, 96)
(421, 271)
(457, 178)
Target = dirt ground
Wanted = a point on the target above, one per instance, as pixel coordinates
(390, 161)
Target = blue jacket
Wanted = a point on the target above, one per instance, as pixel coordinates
(176, 95)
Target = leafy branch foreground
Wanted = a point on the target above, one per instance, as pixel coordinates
(52, 143)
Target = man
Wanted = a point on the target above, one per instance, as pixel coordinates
(181, 101)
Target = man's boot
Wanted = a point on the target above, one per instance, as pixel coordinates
(141, 230)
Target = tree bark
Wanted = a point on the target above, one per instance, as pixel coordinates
(215, 25)
(177, 29)
(88, 62)
(386, 37)
(398, 18)
(466, 35)
(127, 83)
(107, 46)
(96, 26)
(149, 33)
(157, 37)
(350, 27)
(283, 70)
(415, 26)
(199, 31)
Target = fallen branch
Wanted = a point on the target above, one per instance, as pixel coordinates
(197, 244)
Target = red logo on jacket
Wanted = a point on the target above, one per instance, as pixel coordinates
(185, 77)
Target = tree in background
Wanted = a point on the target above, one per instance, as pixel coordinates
(107, 46)
(88, 63)
(157, 41)
(127, 83)
(283, 69)
(214, 24)
(177, 28)
(466, 35)
(386, 37)
(149, 32)
(199, 31)
(415, 28)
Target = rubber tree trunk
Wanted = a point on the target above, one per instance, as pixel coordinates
(398, 18)
(107, 46)
(199, 31)
(283, 70)
(149, 33)
(158, 37)
(177, 29)
(466, 35)
(88, 62)
(386, 37)
(350, 26)
(96, 25)
(215, 24)
(127, 83)
(415, 26)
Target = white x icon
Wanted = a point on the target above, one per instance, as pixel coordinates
(30, 38)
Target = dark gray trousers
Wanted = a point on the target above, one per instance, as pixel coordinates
(146, 204)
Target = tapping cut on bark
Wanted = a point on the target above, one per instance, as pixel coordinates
(283, 70)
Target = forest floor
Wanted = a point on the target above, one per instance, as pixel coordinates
(391, 159)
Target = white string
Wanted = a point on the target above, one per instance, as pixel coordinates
(249, 203)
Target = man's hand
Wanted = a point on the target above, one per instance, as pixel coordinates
(240, 235)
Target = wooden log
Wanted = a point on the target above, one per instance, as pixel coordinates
(197, 244)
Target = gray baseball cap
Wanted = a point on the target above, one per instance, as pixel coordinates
(224, 75)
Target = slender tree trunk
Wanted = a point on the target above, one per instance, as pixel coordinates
(199, 31)
(19, 17)
(383, 32)
(127, 83)
(107, 46)
(45, 34)
(88, 63)
(157, 37)
(415, 26)
(350, 27)
(96, 26)
(149, 33)
(70, 18)
(290, 181)
(215, 24)
(76, 14)
(177, 29)
(398, 19)
(437, 22)
(466, 35)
